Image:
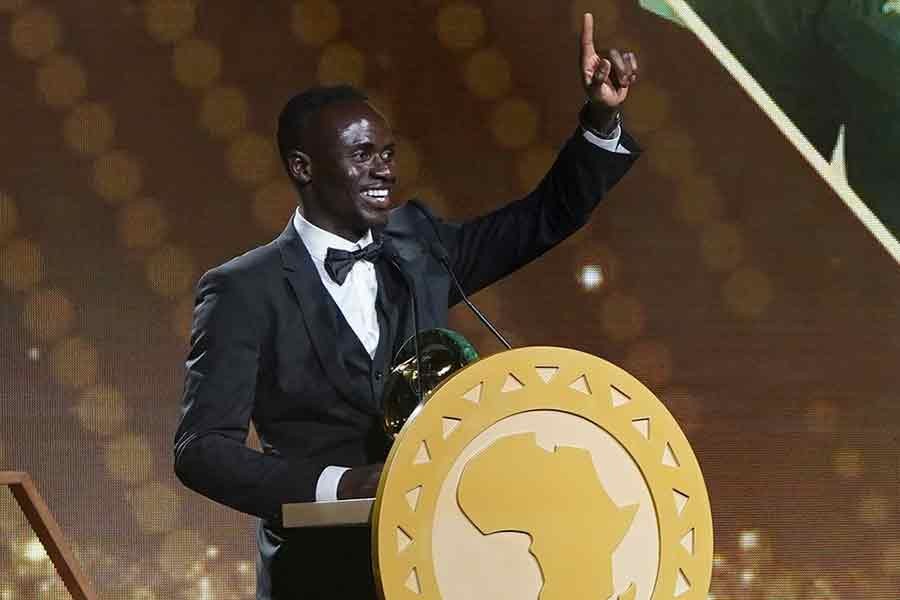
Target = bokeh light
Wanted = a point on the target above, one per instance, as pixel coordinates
(156, 507)
(168, 21)
(721, 246)
(274, 205)
(89, 128)
(487, 73)
(170, 271)
(128, 458)
(315, 22)
(699, 200)
(875, 509)
(142, 224)
(674, 153)
(460, 25)
(514, 123)
(48, 314)
(75, 362)
(622, 317)
(534, 163)
(21, 265)
(650, 361)
(101, 410)
(179, 552)
(848, 463)
(117, 177)
(35, 33)
(251, 158)
(341, 62)
(748, 292)
(225, 112)
(197, 63)
(9, 216)
(61, 81)
(822, 416)
(590, 277)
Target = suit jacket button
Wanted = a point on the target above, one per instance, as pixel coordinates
(378, 375)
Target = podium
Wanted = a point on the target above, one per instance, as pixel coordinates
(536, 473)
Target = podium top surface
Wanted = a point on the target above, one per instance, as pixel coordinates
(346, 513)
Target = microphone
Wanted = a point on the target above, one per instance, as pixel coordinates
(437, 249)
(394, 258)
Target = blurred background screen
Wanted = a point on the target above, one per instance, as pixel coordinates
(723, 272)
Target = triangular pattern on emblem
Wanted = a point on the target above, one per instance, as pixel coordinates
(669, 458)
(682, 585)
(581, 385)
(474, 395)
(511, 384)
(643, 426)
(681, 501)
(412, 497)
(546, 373)
(618, 397)
(423, 456)
(403, 540)
(412, 582)
(688, 542)
(449, 425)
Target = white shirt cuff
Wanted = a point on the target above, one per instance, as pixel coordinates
(612, 144)
(327, 486)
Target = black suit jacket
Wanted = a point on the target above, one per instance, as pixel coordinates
(269, 344)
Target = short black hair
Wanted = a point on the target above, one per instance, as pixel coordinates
(298, 111)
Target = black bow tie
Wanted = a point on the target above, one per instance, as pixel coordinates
(339, 262)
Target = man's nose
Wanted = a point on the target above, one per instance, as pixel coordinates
(383, 169)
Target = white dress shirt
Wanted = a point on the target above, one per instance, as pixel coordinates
(356, 296)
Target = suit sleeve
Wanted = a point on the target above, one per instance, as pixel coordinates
(211, 456)
(490, 247)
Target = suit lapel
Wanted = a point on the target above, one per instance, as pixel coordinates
(312, 298)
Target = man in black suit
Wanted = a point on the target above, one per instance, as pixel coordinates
(297, 334)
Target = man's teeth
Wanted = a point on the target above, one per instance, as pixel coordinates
(380, 194)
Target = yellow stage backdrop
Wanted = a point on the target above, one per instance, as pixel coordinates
(723, 273)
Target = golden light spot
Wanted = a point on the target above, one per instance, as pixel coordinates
(89, 128)
(35, 33)
(9, 217)
(748, 292)
(874, 509)
(61, 81)
(606, 17)
(848, 463)
(101, 410)
(117, 177)
(274, 205)
(514, 123)
(340, 63)
(315, 22)
(142, 224)
(822, 416)
(170, 271)
(651, 362)
(487, 74)
(650, 108)
(225, 112)
(21, 265)
(460, 25)
(622, 317)
(182, 317)
(408, 161)
(197, 63)
(251, 158)
(699, 200)
(48, 314)
(674, 153)
(156, 507)
(721, 246)
(179, 551)
(74, 362)
(128, 459)
(890, 558)
(168, 21)
(534, 164)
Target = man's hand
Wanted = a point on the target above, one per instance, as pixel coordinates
(606, 80)
(360, 482)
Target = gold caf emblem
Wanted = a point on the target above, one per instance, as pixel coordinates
(544, 474)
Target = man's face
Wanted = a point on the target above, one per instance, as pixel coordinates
(351, 170)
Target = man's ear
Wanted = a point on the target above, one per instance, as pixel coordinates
(300, 167)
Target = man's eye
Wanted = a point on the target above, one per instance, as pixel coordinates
(362, 155)
(387, 155)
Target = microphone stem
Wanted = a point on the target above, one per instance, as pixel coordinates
(484, 320)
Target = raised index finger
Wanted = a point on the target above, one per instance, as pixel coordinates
(587, 33)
